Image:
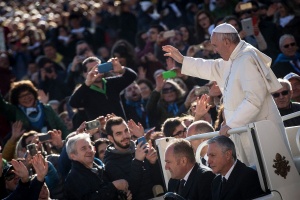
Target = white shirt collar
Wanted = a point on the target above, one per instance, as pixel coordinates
(230, 170)
(188, 174)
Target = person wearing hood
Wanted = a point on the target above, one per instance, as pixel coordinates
(244, 77)
(135, 163)
(289, 59)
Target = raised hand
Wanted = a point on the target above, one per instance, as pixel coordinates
(43, 97)
(121, 184)
(17, 131)
(56, 139)
(173, 52)
(202, 106)
(20, 170)
(92, 76)
(40, 166)
(140, 152)
(135, 129)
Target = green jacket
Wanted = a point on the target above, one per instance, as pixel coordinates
(14, 113)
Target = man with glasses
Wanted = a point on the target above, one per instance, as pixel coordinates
(174, 127)
(282, 98)
(294, 79)
(289, 59)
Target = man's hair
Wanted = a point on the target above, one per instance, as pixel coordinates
(183, 148)
(98, 142)
(112, 122)
(224, 143)
(285, 36)
(89, 60)
(170, 125)
(21, 86)
(232, 37)
(25, 136)
(71, 143)
(202, 126)
(286, 82)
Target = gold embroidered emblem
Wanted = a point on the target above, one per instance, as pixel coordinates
(281, 165)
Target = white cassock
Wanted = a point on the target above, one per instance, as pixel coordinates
(246, 82)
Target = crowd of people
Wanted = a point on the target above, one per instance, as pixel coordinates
(83, 81)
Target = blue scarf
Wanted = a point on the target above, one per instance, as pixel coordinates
(282, 58)
(140, 110)
(35, 115)
(173, 108)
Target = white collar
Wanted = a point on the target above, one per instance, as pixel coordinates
(188, 174)
(230, 170)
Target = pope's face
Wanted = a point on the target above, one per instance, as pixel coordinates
(220, 46)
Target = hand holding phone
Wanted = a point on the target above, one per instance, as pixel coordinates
(169, 34)
(92, 124)
(32, 148)
(169, 74)
(105, 67)
(44, 137)
(143, 141)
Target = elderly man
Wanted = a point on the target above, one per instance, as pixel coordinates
(294, 79)
(282, 98)
(289, 59)
(234, 180)
(243, 75)
(188, 179)
(87, 180)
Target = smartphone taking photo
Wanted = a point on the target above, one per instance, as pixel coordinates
(44, 137)
(105, 67)
(32, 148)
(169, 74)
(92, 124)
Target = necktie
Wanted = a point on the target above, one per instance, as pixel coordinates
(223, 183)
(181, 186)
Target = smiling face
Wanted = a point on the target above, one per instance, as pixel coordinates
(289, 47)
(283, 100)
(84, 153)
(26, 99)
(121, 136)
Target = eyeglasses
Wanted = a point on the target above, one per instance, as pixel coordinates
(168, 90)
(180, 133)
(25, 95)
(289, 45)
(10, 176)
(283, 93)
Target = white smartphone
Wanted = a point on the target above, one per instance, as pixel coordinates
(247, 26)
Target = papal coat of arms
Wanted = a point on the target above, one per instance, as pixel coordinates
(281, 165)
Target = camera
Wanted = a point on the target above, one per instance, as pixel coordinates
(169, 74)
(92, 124)
(201, 90)
(32, 148)
(44, 137)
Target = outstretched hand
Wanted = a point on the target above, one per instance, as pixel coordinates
(20, 170)
(40, 166)
(173, 52)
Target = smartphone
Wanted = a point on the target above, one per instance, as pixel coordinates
(32, 148)
(201, 90)
(169, 74)
(246, 6)
(92, 124)
(169, 34)
(105, 67)
(247, 26)
(44, 137)
(142, 139)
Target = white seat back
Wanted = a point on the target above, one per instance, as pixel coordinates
(291, 133)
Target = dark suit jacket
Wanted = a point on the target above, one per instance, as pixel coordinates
(243, 183)
(198, 185)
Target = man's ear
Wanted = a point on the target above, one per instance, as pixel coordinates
(228, 154)
(183, 160)
(72, 156)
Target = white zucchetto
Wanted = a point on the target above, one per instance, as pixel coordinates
(224, 28)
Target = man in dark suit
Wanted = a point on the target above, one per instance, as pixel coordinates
(235, 181)
(188, 179)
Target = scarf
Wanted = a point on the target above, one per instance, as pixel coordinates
(35, 115)
(173, 108)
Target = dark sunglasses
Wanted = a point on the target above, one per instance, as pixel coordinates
(168, 90)
(288, 45)
(10, 176)
(180, 133)
(283, 93)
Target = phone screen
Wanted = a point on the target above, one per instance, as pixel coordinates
(142, 139)
(105, 67)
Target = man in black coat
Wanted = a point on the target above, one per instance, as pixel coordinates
(100, 95)
(188, 179)
(87, 180)
(135, 163)
(235, 181)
